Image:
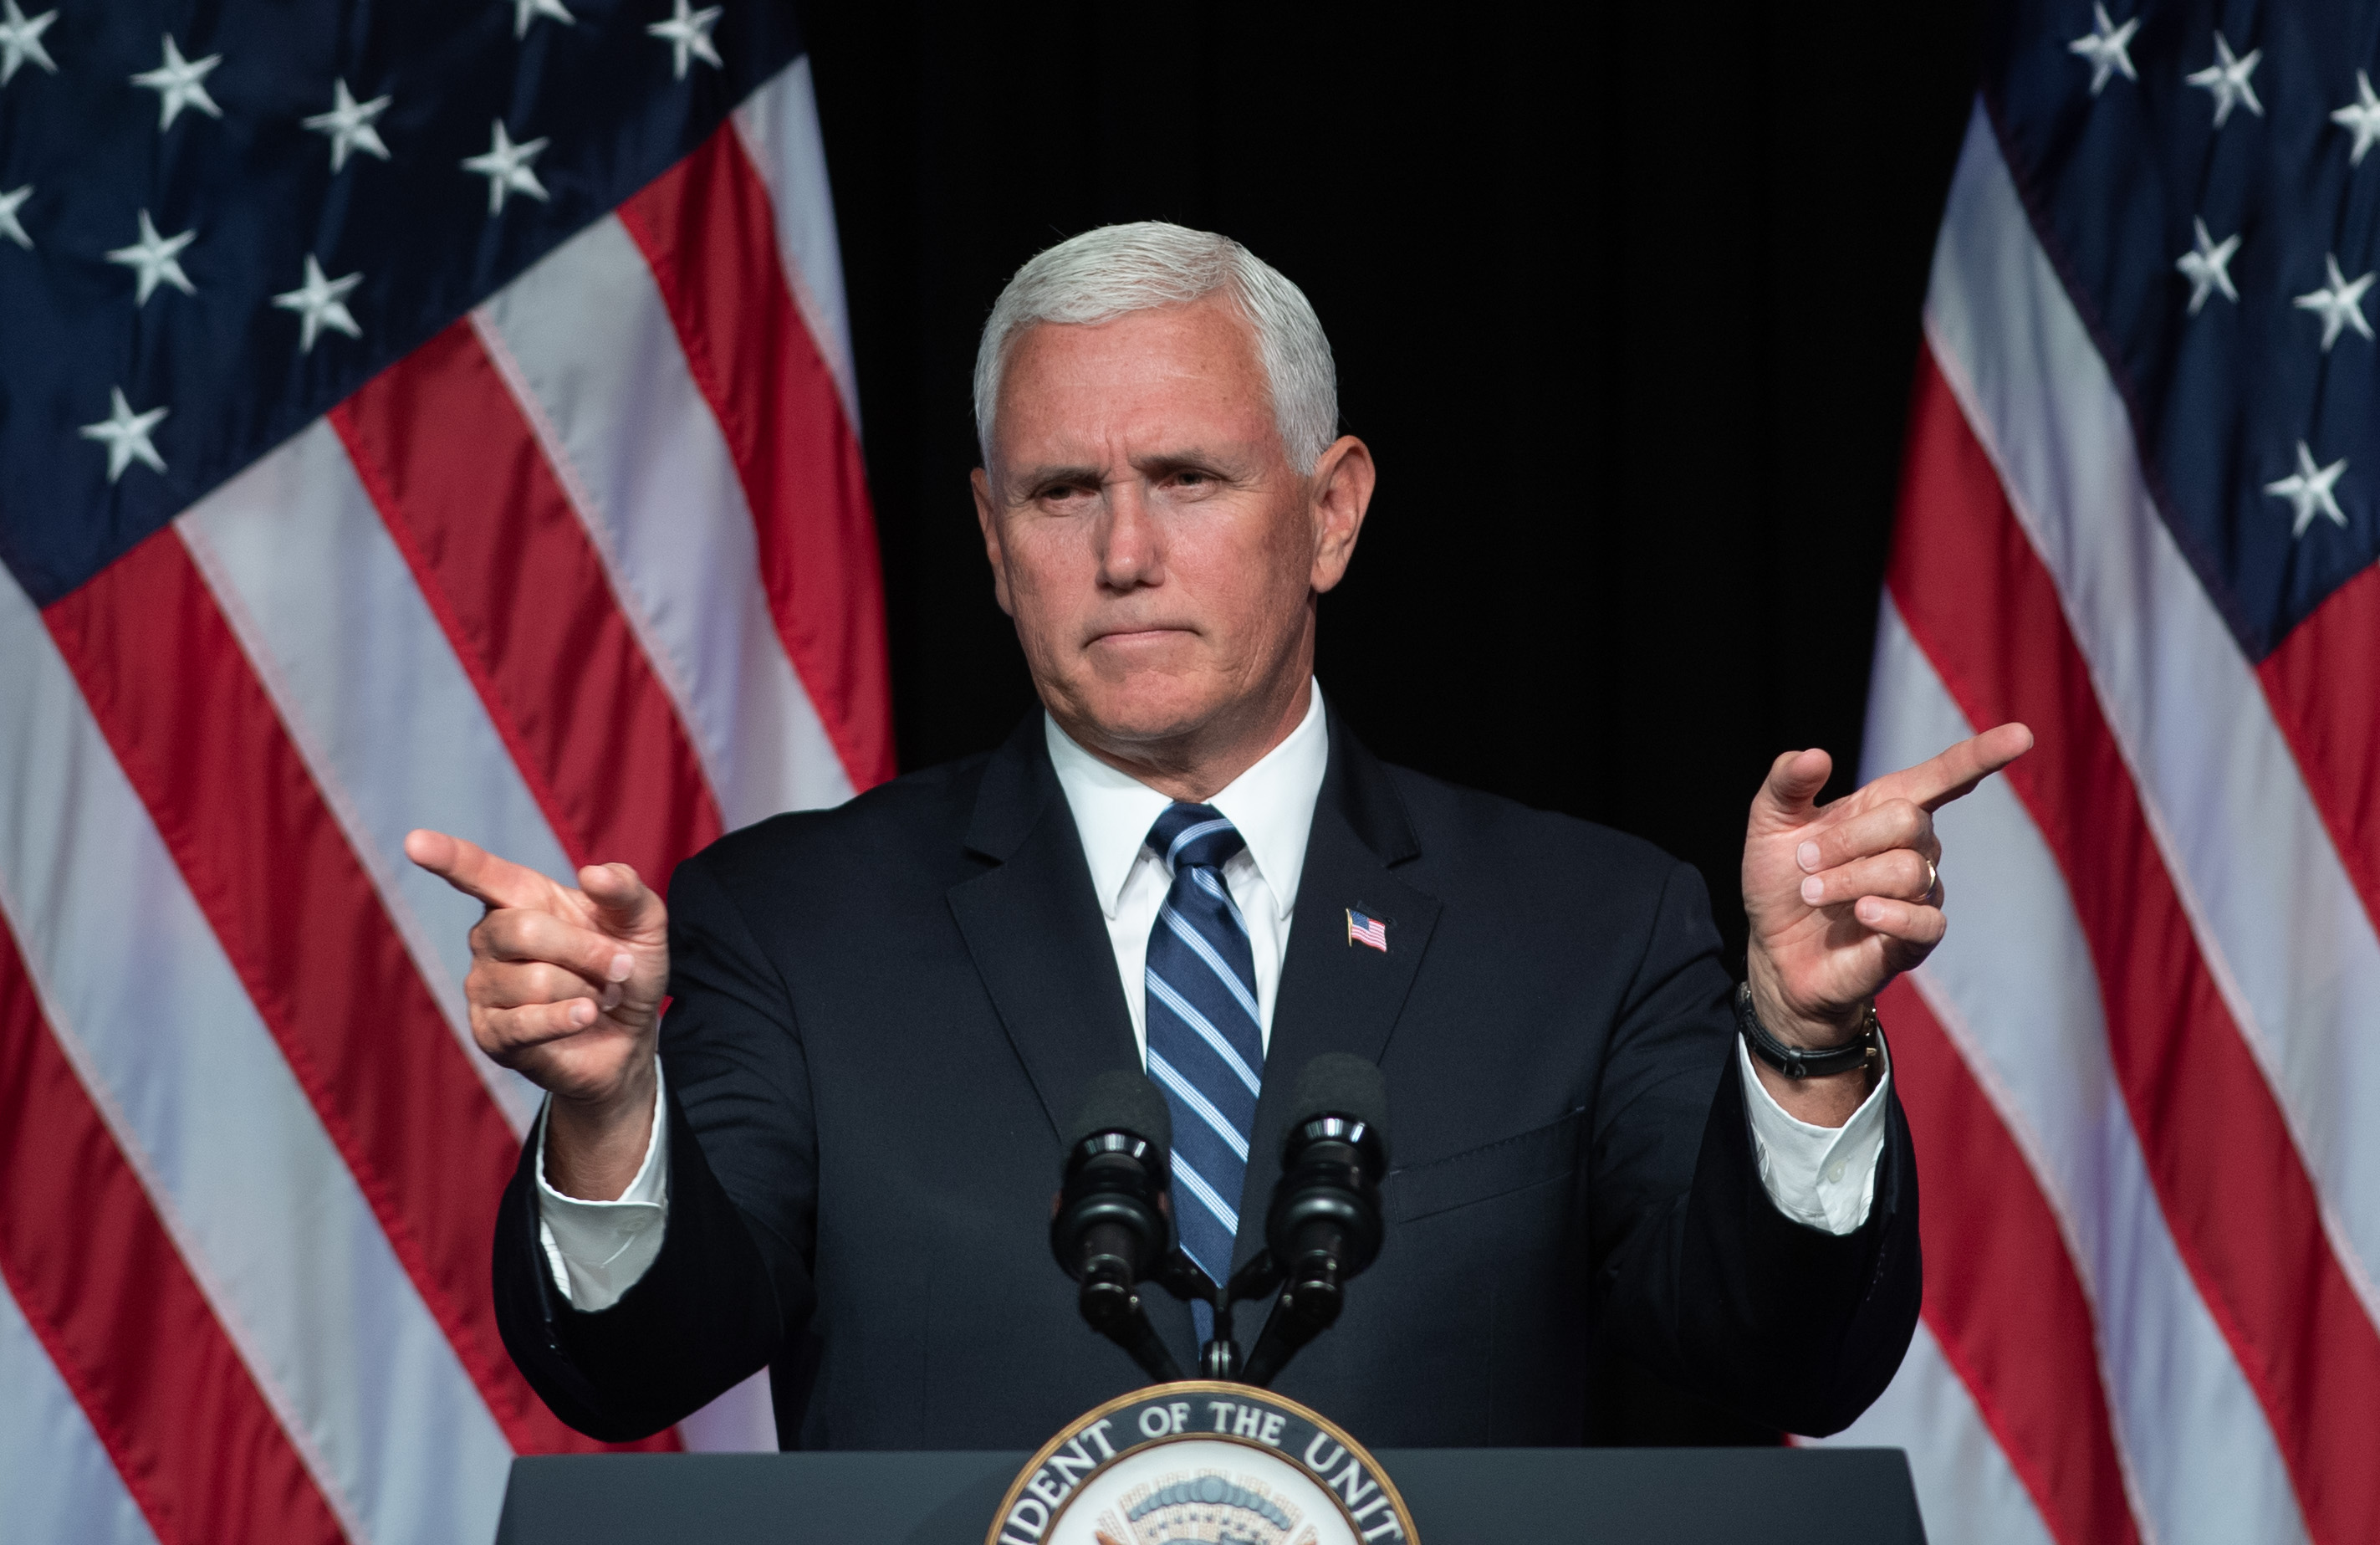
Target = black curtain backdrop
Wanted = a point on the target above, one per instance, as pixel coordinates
(1624, 300)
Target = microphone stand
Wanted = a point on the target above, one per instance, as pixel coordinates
(1306, 1306)
(1304, 1311)
(1122, 1317)
(1118, 1314)
(1111, 1306)
(1295, 1318)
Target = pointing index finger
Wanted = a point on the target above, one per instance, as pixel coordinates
(474, 871)
(1935, 782)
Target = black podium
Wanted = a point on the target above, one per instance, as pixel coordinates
(1457, 1497)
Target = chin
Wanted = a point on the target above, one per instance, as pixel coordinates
(1149, 705)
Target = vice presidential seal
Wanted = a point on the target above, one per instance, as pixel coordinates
(1215, 1462)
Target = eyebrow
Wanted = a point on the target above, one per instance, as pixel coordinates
(1041, 477)
(1184, 461)
(1188, 459)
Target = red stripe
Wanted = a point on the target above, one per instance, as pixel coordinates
(115, 1307)
(2235, 1191)
(300, 921)
(706, 227)
(505, 562)
(2001, 1292)
(2320, 684)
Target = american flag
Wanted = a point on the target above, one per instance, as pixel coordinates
(2140, 512)
(1362, 930)
(428, 414)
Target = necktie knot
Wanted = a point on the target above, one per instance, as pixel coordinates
(1195, 835)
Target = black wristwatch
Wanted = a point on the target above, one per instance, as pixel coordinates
(1804, 1062)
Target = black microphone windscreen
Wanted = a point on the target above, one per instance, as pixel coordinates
(1122, 1102)
(1340, 1083)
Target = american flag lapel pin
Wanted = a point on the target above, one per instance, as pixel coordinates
(1364, 928)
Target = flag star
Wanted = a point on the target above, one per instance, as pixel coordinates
(156, 256)
(687, 31)
(526, 11)
(180, 83)
(2228, 78)
(21, 39)
(349, 126)
(2340, 303)
(126, 435)
(11, 227)
(2208, 267)
(2107, 48)
(507, 168)
(2363, 115)
(2307, 490)
(320, 302)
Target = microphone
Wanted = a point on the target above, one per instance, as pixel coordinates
(1109, 1227)
(1324, 1226)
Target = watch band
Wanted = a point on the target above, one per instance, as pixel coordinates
(1803, 1062)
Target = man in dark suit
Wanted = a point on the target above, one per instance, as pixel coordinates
(836, 1156)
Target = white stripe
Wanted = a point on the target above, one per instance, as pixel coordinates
(196, 1093)
(397, 737)
(1205, 952)
(1189, 1015)
(1192, 834)
(57, 1483)
(2289, 942)
(1206, 881)
(2014, 986)
(779, 127)
(1199, 1188)
(1965, 1488)
(642, 459)
(1163, 1072)
(645, 471)
(375, 700)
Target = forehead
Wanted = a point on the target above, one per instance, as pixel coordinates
(1179, 374)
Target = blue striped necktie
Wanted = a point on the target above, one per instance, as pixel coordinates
(1206, 1047)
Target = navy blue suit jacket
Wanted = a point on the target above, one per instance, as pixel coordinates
(885, 1013)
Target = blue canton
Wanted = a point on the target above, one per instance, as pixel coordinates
(2204, 177)
(216, 221)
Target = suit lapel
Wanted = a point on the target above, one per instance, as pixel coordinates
(1337, 995)
(1035, 930)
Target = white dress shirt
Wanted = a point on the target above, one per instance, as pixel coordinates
(1271, 804)
(1823, 1176)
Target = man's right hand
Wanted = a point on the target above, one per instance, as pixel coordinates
(565, 988)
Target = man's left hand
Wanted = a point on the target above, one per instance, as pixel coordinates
(1845, 898)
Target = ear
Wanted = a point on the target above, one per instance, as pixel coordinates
(1341, 493)
(987, 518)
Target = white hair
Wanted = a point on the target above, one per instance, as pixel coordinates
(1115, 270)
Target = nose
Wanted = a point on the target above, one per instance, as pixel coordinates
(1131, 547)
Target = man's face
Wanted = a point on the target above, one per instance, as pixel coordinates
(1146, 532)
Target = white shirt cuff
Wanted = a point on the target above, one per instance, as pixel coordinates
(599, 1250)
(1824, 1176)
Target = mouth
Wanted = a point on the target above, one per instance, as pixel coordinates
(1127, 638)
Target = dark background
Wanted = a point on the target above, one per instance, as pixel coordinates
(1624, 300)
